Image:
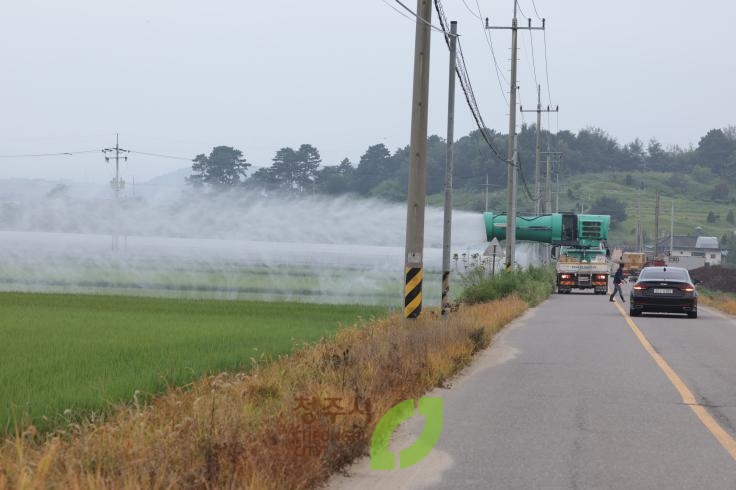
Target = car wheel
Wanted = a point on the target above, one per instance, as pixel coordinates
(692, 314)
(634, 312)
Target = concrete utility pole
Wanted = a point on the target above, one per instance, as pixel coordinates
(548, 185)
(413, 266)
(672, 226)
(485, 192)
(447, 230)
(656, 226)
(512, 164)
(538, 152)
(639, 238)
(557, 155)
(117, 183)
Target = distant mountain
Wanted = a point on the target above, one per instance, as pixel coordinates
(177, 178)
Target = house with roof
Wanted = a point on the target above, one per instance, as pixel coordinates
(691, 252)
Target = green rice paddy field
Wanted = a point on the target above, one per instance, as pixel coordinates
(84, 353)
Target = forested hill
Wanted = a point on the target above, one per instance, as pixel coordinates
(382, 172)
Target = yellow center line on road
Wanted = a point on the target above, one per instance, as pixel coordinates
(726, 440)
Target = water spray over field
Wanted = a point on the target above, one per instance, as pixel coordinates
(176, 242)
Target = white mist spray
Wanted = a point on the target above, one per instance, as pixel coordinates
(218, 245)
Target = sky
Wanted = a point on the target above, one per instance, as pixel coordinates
(178, 77)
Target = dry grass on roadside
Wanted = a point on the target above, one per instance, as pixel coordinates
(721, 301)
(239, 430)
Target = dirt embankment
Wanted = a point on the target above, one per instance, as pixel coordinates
(716, 278)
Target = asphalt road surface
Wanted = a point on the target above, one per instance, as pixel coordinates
(577, 395)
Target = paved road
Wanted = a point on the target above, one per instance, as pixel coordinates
(569, 397)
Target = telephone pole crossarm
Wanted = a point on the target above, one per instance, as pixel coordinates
(529, 26)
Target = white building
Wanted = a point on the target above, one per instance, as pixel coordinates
(691, 252)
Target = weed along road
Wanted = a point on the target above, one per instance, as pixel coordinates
(575, 394)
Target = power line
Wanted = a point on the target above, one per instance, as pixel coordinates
(546, 68)
(462, 72)
(520, 10)
(414, 14)
(397, 10)
(533, 67)
(520, 103)
(534, 4)
(160, 155)
(523, 180)
(489, 41)
(471, 11)
(534, 62)
(63, 153)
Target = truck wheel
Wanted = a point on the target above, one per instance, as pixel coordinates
(692, 314)
(634, 312)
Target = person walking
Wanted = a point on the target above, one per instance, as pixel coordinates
(618, 278)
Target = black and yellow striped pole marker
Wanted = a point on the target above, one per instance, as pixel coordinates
(413, 292)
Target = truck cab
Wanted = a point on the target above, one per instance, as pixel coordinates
(583, 268)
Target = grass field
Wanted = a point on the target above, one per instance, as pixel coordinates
(84, 353)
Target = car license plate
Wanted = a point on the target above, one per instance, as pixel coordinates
(662, 291)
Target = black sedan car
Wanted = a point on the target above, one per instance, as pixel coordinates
(664, 290)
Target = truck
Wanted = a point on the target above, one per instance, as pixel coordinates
(582, 268)
(578, 240)
(633, 263)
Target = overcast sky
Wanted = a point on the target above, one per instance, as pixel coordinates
(178, 77)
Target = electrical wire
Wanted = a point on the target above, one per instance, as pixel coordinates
(471, 11)
(532, 66)
(523, 180)
(520, 103)
(534, 62)
(489, 40)
(397, 10)
(414, 14)
(160, 155)
(534, 4)
(461, 70)
(63, 153)
(546, 67)
(522, 12)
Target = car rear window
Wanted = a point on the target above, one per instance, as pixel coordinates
(664, 275)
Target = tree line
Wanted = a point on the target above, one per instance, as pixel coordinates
(383, 173)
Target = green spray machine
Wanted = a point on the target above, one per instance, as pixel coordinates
(578, 240)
